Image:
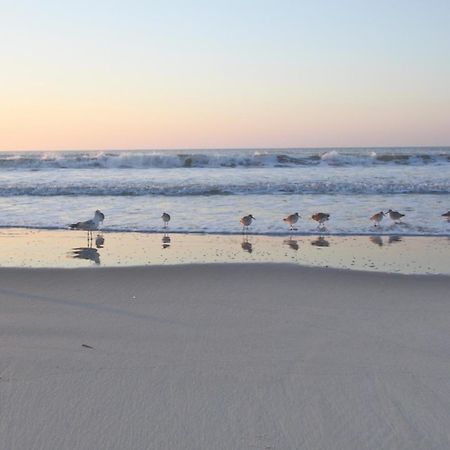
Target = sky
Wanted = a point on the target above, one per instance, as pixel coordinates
(218, 74)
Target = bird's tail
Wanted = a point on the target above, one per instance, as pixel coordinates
(74, 226)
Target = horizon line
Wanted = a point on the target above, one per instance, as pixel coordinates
(154, 149)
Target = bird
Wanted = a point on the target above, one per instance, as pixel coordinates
(447, 214)
(89, 225)
(320, 217)
(292, 219)
(166, 219)
(246, 221)
(395, 216)
(377, 218)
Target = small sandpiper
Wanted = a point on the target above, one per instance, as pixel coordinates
(395, 216)
(292, 219)
(377, 218)
(166, 219)
(320, 217)
(246, 221)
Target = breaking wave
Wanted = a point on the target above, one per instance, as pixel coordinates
(222, 159)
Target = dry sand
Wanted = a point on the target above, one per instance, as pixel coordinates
(223, 357)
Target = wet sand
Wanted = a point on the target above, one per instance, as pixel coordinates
(63, 248)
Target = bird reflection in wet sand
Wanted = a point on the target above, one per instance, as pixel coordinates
(320, 242)
(165, 241)
(394, 239)
(99, 241)
(377, 240)
(89, 253)
(291, 243)
(246, 245)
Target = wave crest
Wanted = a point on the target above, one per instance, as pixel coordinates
(220, 159)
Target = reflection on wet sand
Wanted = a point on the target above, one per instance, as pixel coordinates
(89, 253)
(320, 242)
(291, 243)
(377, 240)
(99, 241)
(246, 245)
(36, 248)
(166, 241)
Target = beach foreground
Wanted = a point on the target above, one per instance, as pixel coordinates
(223, 357)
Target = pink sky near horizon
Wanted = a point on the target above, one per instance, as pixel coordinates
(85, 76)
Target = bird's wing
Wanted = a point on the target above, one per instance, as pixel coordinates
(86, 225)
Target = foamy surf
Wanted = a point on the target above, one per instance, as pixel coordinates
(207, 191)
(221, 159)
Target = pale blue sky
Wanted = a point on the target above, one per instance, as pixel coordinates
(135, 74)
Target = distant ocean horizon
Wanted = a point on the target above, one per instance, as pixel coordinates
(208, 190)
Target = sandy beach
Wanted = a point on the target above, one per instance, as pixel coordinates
(223, 356)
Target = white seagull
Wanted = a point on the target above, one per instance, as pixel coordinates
(89, 225)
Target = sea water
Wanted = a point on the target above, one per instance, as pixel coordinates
(209, 190)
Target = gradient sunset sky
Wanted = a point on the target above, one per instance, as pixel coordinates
(198, 74)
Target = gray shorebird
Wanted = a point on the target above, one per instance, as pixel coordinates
(166, 219)
(395, 216)
(320, 217)
(377, 218)
(89, 225)
(292, 219)
(246, 221)
(447, 215)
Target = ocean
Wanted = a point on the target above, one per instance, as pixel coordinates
(207, 191)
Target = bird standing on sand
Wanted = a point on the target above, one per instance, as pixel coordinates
(246, 221)
(89, 225)
(320, 217)
(395, 216)
(292, 219)
(377, 218)
(166, 219)
(447, 215)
